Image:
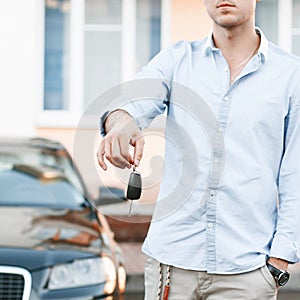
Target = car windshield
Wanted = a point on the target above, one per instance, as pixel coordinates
(37, 176)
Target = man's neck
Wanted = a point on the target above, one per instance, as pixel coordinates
(238, 45)
(235, 43)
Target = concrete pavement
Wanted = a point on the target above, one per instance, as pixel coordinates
(134, 264)
(130, 232)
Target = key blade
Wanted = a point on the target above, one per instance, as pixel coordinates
(130, 208)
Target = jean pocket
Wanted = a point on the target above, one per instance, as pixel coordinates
(151, 277)
(269, 278)
(151, 263)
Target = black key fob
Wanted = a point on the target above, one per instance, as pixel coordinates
(134, 188)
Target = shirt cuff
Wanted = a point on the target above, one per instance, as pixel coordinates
(102, 121)
(284, 248)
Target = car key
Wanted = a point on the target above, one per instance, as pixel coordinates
(134, 188)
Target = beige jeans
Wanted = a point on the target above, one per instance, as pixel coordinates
(192, 285)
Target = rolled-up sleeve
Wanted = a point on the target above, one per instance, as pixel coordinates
(286, 241)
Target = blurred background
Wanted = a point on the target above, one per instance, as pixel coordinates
(57, 56)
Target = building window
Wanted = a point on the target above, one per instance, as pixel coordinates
(296, 27)
(103, 46)
(105, 42)
(280, 21)
(267, 19)
(56, 66)
(90, 46)
(148, 33)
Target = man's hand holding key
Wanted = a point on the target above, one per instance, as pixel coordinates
(121, 132)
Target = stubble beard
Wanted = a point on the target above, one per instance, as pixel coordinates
(229, 22)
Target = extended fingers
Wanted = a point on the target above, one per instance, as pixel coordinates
(124, 150)
(115, 145)
(116, 152)
(138, 150)
(100, 155)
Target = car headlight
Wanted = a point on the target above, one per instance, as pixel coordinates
(83, 272)
(121, 279)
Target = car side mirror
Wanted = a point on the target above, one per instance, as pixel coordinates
(110, 195)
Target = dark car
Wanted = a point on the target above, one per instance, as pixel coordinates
(53, 243)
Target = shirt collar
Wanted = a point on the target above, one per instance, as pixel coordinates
(209, 44)
(264, 44)
(262, 50)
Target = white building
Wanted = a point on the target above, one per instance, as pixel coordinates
(56, 56)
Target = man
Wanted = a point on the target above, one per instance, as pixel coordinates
(235, 235)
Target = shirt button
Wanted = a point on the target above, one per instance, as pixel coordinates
(226, 98)
(212, 193)
(226, 70)
(216, 160)
(210, 225)
(220, 129)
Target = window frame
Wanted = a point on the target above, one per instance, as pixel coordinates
(69, 118)
(285, 30)
(285, 19)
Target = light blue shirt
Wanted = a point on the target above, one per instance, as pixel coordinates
(239, 201)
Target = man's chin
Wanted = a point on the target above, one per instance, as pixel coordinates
(227, 22)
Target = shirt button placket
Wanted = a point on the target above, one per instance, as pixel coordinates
(210, 233)
(214, 183)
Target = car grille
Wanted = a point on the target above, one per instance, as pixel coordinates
(15, 283)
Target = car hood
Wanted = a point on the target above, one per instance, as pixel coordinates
(45, 230)
(38, 259)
